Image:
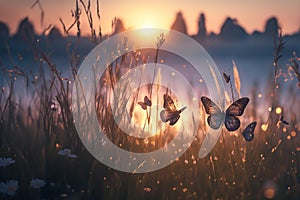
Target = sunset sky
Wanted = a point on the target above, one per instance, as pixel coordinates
(251, 14)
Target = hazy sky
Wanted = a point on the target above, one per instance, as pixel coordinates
(251, 14)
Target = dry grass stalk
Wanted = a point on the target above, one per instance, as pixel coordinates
(237, 81)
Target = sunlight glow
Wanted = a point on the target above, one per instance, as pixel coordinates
(293, 133)
(146, 19)
(140, 118)
(269, 193)
(278, 110)
(264, 127)
(148, 25)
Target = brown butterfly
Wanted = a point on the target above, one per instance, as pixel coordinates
(216, 115)
(283, 121)
(170, 113)
(248, 133)
(226, 77)
(147, 102)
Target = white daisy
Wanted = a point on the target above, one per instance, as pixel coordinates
(67, 153)
(4, 162)
(37, 183)
(10, 187)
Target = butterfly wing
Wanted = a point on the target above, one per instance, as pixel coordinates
(210, 107)
(147, 101)
(174, 120)
(143, 105)
(169, 103)
(182, 109)
(237, 108)
(248, 133)
(232, 123)
(168, 115)
(226, 77)
(215, 121)
(216, 116)
(283, 121)
(176, 116)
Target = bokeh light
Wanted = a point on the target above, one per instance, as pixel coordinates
(278, 110)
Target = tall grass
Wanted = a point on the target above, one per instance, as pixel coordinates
(32, 133)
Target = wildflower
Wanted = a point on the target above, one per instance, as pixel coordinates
(9, 188)
(67, 153)
(53, 106)
(4, 162)
(37, 183)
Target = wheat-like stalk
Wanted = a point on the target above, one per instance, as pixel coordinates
(237, 81)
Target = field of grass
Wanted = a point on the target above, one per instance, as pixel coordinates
(33, 131)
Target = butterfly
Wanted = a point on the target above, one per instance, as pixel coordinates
(248, 133)
(226, 77)
(147, 102)
(283, 121)
(170, 113)
(216, 115)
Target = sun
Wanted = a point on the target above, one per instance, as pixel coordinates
(148, 23)
(146, 19)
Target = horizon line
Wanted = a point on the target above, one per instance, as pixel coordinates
(87, 33)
